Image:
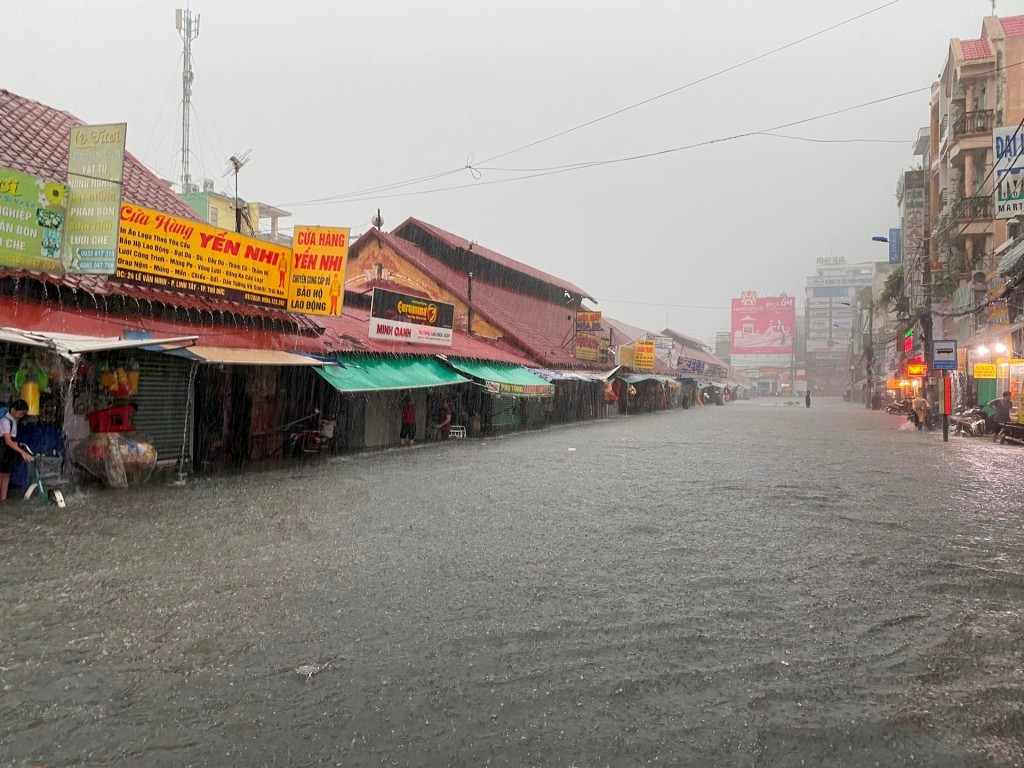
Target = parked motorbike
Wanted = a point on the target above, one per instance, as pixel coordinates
(969, 422)
(900, 407)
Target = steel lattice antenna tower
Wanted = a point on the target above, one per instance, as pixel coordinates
(188, 28)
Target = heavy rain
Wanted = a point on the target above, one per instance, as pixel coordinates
(539, 384)
(671, 591)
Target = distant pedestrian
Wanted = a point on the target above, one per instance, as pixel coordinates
(408, 434)
(919, 408)
(446, 419)
(10, 451)
(807, 399)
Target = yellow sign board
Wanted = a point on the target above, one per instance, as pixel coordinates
(165, 251)
(317, 279)
(627, 356)
(984, 370)
(587, 347)
(645, 354)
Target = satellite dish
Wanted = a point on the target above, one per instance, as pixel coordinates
(378, 220)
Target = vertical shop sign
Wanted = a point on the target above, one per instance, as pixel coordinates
(645, 349)
(95, 168)
(1008, 149)
(32, 217)
(317, 281)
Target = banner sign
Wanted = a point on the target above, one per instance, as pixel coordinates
(663, 343)
(602, 350)
(588, 347)
(164, 251)
(532, 390)
(316, 281)
(895, 245)
(1008, 147)
(588, 321)
(984, 370)
(644, 359)
(32, 215)
(95, 167)
(413, 319)
(763, 326)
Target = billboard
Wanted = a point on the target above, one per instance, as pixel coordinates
(895, 245)
(32, 217)
(763, 325)
(165, 251)
(1008, 149)
(316, 282)
(412, 319)
(95, 166)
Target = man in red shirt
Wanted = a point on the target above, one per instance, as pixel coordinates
(408, 433)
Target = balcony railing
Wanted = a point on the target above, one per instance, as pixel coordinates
(970, 123)
(974, 208)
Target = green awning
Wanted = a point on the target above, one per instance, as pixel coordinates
(371, 373)
(636, 378)
(503, 379)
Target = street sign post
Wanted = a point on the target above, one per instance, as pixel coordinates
(944, 359)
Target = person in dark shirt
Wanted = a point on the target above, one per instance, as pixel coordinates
(1002, 407)
(408, 434)
(446, 419)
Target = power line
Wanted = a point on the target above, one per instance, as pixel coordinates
(469, 164)
(692, 83)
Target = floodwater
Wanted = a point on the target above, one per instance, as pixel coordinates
(750, 585)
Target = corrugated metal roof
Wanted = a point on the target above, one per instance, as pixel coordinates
(455, 241)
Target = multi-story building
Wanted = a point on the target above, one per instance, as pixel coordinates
(837, 320)
(980, 89)
(250, 218)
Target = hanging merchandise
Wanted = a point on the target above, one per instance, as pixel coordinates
(29, 392)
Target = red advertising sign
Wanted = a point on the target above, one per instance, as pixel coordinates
(763, 325)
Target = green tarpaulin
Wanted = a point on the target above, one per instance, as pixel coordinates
(505, 379)
(365, 374)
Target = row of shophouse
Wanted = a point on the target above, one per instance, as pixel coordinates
(955, 265)
(212, 381)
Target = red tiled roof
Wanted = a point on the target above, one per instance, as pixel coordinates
(101, 288)
(34, 139)
(459, 242)
(545, 331)
(1013, 26)
(975, 49)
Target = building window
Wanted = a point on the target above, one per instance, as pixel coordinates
(213, 216)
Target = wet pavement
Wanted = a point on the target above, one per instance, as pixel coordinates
(753, 585)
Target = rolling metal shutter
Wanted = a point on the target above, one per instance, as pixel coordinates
(505, 413)
(163, 397)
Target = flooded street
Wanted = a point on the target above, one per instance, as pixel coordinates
(753, 585)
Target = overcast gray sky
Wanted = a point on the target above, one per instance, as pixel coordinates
(338, 96)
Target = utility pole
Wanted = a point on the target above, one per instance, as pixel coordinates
(188, 28)
(869, 350)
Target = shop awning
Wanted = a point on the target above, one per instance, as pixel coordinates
(1012, 259)
(636, 378)
(371, 373)
(70, 344)
(504, 379)
(232, 356)
(992, 335)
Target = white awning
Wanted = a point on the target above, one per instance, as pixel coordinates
(70, 344)
(232, 356)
